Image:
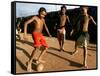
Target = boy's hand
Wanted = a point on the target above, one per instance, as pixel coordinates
(71, 33)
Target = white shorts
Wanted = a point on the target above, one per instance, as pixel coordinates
(61, 32)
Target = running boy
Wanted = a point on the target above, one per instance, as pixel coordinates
(64, 19)
(39, 39)
(83, 36)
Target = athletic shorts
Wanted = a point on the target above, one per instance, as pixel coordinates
(83, 39)
(61, 32)
(39, 40)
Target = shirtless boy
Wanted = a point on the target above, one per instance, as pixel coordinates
(83, 36)
(61, 30)
(39, 39)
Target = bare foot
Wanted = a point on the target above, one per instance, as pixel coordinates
(85, 66)
(75, 52)
(63, 50)
(60, 49)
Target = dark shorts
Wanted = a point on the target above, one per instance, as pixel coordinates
(83, 39)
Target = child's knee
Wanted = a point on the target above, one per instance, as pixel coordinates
(85, 44)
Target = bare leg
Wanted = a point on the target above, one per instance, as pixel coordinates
(62, 42)
(33, 53)
(41, 55)
(29, 67)
(85, 55)
(76, 47)
(59, 40)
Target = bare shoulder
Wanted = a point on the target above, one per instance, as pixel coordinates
(35, 17)
(90, 17)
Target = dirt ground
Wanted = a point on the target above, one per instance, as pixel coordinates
(55, 60)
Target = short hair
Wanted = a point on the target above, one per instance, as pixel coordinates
(84, 7)
(63, 6)
(41, 9)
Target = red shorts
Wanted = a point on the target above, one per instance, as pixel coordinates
(39, 40)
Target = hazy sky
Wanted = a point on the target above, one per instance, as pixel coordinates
(26, 9)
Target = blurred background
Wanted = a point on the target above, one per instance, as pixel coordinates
(24, 11)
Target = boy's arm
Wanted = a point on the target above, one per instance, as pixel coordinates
(25, 26)
(76, 22)
(71, 32)
(69, 22)
(71, 26)
(92, 20)
(47, 29)
(68, 19)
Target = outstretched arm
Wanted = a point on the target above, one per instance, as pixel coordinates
(25, 26)
(47, 29)
(92, 20)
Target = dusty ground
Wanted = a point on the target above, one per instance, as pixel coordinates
(55, 60)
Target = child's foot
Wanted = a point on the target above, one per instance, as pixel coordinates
(29, 67)
(85, 66)
(60, 49)
(75, 52)
(63, 50)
